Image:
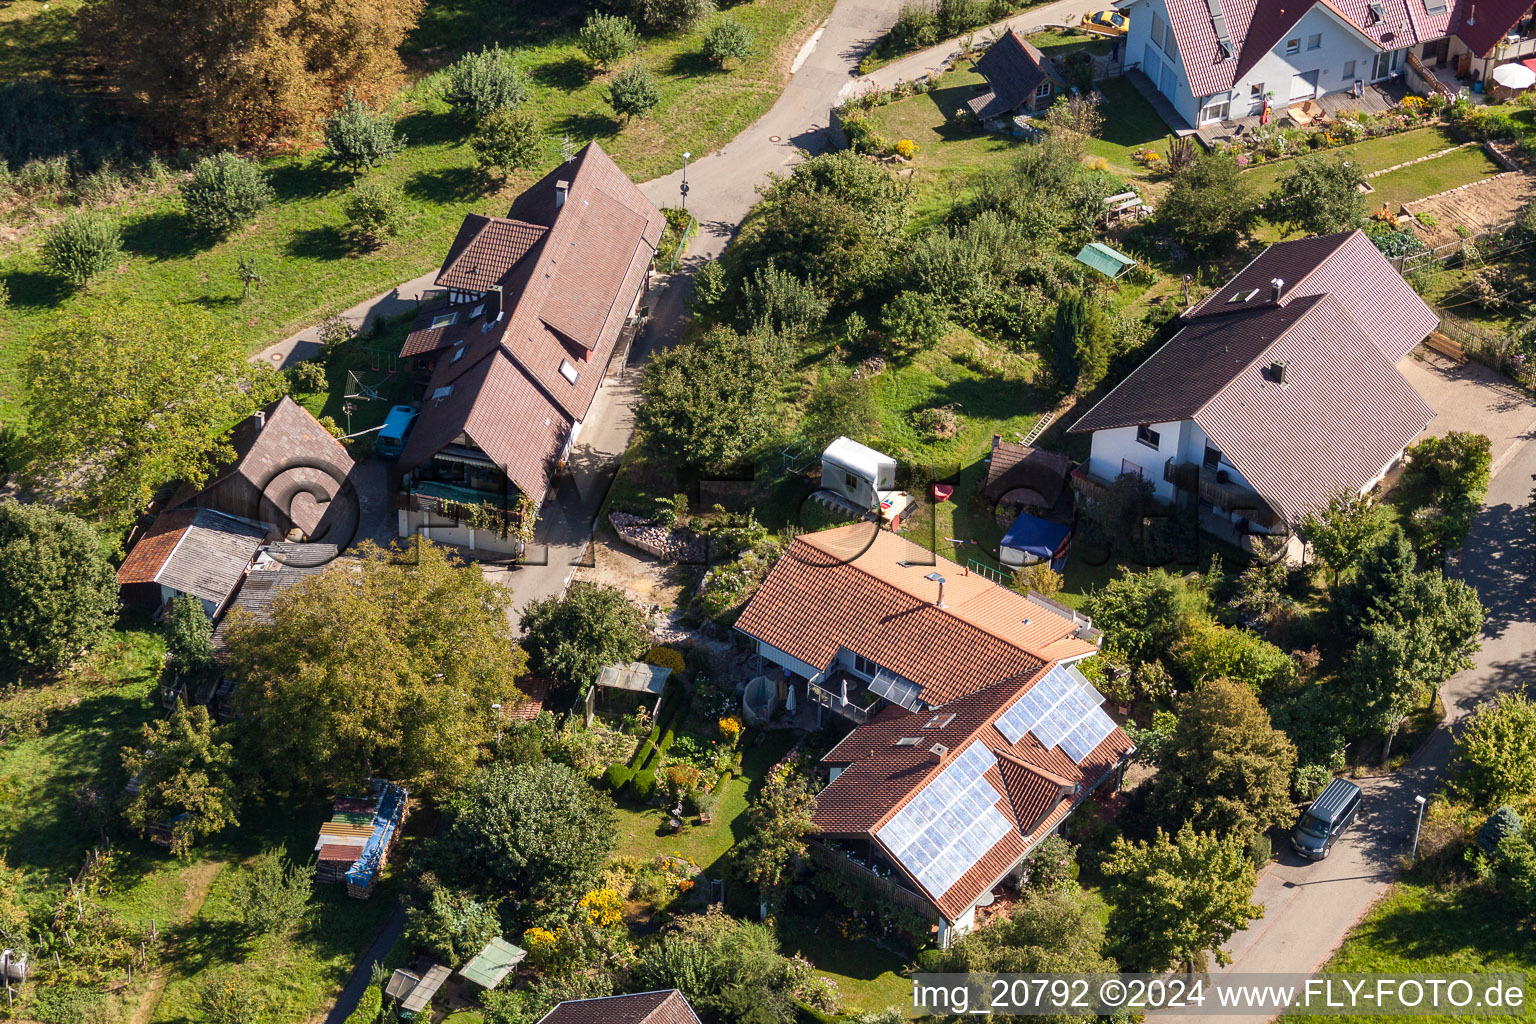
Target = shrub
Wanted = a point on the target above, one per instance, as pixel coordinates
(1052, 864)
(607, 39)
(479, 84)
(507, 141)
(1501, 824)
(1209, 206)
(643, 786)
(81, 246)
(666, 657)
(670, 15)
(373, 212)
(916, 26)
(368, 1007)
(727, 38)
(617, 776)
(357, 136)
(906, 149)
(915, 320)
(335, 331)
(633, 92)
(225, 192)
(307, 375)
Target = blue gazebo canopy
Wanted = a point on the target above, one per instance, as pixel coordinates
(1035, 536)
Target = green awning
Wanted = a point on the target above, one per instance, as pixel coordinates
(493, 964)
(1105, 260)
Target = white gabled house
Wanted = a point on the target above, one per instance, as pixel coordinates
(1220, 59)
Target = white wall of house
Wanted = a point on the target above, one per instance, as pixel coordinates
(1119, 451)
(461, 536)
(1327, 51)
(788, 661)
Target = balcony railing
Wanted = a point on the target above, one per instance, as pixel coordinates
(1203, 481)
(849, 708)
(482, 516)
(1511, 49)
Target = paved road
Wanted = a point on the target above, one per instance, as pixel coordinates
(1311, 907)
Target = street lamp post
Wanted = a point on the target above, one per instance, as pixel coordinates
(497, 707)
(684, 187)
(1413, 858)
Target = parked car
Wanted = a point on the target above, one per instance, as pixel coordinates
(1321, 824)
(1110, 23)
(397, 428)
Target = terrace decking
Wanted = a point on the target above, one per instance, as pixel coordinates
(1374, 99)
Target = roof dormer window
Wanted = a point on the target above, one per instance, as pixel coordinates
(477, 311)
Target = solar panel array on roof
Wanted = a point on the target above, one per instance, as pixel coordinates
(951, 824)
(1061, 710)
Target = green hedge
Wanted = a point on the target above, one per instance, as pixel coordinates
(617, 776)
(643, 754)
(368, 1006)
(643, 786)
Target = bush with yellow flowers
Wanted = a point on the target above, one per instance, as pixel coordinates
(906, 149)
(666, 657)
(541, 945)
(730, 729)
(604, 907)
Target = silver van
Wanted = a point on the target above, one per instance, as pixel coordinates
(1331, 813)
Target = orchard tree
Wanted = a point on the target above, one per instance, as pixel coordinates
(534, 832)
(58, 592)
(1344, 530)
(1210, 206)
(1318, 196)
(205, 72)
(272, 894)
(778, 822)
(391, 661)
(670, 15)
(915, 321)
(373, 213)
(127, 399)
(1175, 900)
(1225, 769)
(82, 246)
(727, 39)
(775, 301)
(479, 84)
(1496, 751)
(225, 192)
(507, 141)
(633, 92)
(710, 403)
(358, 137)
(1143, 614)
(607, 39)
(182, 767)
(570, 640)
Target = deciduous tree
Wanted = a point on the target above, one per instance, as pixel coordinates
(569, 640)
(710, 403)
(1496, 751)
(189, 635)
(211, 73)
(128, 398)
(727, 39)
(1047, 931)
(1344, 530)
(272, 894)
(633, 92)
(1210, 206)
(225, 192)
(81, 246)
(1176, 900)
(607, 39)
(778, 822)
(535, 832)
(1145, 613)
(1318, 196)
(182, 767)
(453, 926)
(58, 592)
(507, 141)
(915, 321)
(479, 84)
(670, 15)
(1225, 769)
(373, 212)
(358, 137)
(391, 661)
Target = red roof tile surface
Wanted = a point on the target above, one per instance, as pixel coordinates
(864, 589)
(485, 249)
(1039, 785)
(152, 551)
(665, 1007)
(564, 300)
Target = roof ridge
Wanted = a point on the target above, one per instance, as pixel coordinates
(1006, 754)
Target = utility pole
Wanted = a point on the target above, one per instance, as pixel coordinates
(1413, 858)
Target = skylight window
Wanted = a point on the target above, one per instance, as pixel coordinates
(1246, 296)
(908, 741)
(569, 372)
(938, 721)
(445, 319)
(477, 311)
(458, 352)
(442, 393)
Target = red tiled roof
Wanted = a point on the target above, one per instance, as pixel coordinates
(535, 690)
(485, 249)
(880, 778)
(1344, 410)
(864, 589)
(564, 301)
(665, 1007)
(196, 551)
(152, 551)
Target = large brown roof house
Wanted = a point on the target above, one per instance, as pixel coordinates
(536, 304)
(1218, 59)
(858, 617)
(664, 1007)
(947, 804)
(1280, 390)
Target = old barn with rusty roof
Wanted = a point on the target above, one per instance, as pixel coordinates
(946, 804)
(537, 304)
(858, 618)
(1280, 391)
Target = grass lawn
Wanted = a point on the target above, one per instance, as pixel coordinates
(1060, 42)
(37, 37)
(1416, 929)
(641, 830)
(298, 244)
(1370, 156)
(870, 977)
(1433, 176)
(1130, 124)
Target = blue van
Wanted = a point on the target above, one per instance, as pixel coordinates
(397, 428)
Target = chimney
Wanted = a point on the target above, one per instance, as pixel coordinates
(1472, 15)
(1277, 371)
(938, 750)
(936, 578)
(562, 190)
(261, 420)
(1276, 289)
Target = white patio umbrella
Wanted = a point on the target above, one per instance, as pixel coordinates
(789, 705)
(1514, 76)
